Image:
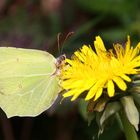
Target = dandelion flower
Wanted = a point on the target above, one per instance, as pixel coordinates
(97, 70)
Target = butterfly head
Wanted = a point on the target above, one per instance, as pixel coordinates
(60, 61)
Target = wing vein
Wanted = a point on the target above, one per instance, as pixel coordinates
(27, 75)
(50, 81)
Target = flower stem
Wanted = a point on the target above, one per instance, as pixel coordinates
(128, 128)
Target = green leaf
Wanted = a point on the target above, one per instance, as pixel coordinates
(89, 116)
(131, 110)
(102, 117)
(82, 30)
(28, 85)
(109, 34)
(82, 106)
(110, 109)
(101, 127)
(136, 97)
(109, 6)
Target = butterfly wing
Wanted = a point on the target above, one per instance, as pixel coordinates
(28, 85)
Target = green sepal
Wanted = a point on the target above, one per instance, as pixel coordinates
(101, 128)
(88, 116)
(110, 109)
(101, 104)
(91, 105)
(128, 128)
(131, 110)
(98, 105)
(102, 118)
(82, 106)
(135, 89)
(136, 98)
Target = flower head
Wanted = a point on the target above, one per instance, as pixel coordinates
(97, 70)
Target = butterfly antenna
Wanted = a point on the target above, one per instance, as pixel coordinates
(58, 42)
(61, 100)
(66, 38)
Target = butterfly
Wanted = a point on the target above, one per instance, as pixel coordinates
(29, 82)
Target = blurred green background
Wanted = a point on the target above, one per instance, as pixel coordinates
(36, 24)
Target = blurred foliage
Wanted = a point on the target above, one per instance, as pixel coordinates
(36, 24)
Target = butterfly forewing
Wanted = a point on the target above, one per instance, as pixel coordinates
(28, 85)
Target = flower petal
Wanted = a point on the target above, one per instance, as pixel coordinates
(98, 93)
(75, 96)
(110, 88)
(94, 89)
(127, 48)
(91, 93)
(120, 83)
(99, 45)
(126, 78)
(70, 92)
(138, 45)
(80, 56)
(94, 71)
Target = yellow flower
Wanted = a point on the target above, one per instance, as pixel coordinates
(97, 70)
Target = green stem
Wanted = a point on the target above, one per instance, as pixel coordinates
(128, 128)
